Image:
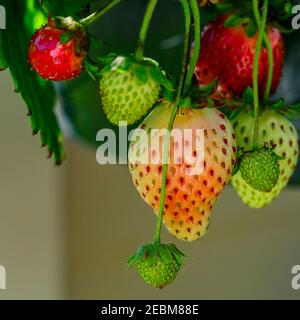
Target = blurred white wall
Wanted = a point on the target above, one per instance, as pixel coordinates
(67, 232)
(32, 207)
(245, 255)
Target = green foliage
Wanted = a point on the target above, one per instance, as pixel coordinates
(64, 7)
(3, 61)
(38, 94)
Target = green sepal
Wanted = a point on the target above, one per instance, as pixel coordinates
(107, 60)
(292, 111)
(167, 252)
(283, 29)
(65, 37)
(224, 7)
(234, 114)
(236, 168)
(142, 69)
(160, 77)
(251, 29)
(202, 92)
(185, 103)
(141, 73)
(248, 96)
(278, 105)
(235, 20)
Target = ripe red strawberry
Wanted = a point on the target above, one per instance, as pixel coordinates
(227, 54)
(57, 54)
(189, 198)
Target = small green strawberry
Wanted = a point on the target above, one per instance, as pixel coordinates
(277, 132)
(129, 88)
(157, 264)
(260, 169)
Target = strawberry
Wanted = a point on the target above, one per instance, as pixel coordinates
(129, 88)
(57, 54)
(227, 54)
(274, 131)
(158, 265)
(190, 197)
(260, 169)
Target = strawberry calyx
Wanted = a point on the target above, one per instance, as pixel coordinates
(65, 23)
(142, 69)
(157, 264)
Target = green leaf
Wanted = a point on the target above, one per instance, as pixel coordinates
(3, 60)
(38, 94)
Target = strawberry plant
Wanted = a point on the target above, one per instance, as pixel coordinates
(228, 90)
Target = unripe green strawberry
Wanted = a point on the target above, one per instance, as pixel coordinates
(129, 88)
(276, 132)
(190, 197)
(158, 265)
(260, 169)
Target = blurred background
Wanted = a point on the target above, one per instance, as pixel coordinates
(66, 232)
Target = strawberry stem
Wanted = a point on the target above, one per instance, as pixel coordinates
(187, 15)
(256, 68)
(194, 60)
(144, 29)
(91, 19)
(270, 53)
(164, 175)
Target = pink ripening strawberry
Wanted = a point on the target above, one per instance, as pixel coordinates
(189, 197)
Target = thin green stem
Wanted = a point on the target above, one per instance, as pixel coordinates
(91, 19)
(269, 50)
(256, 68)
(270, 68)
(157, 232)
(144, 29)
(194, 60)
(187, 15)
